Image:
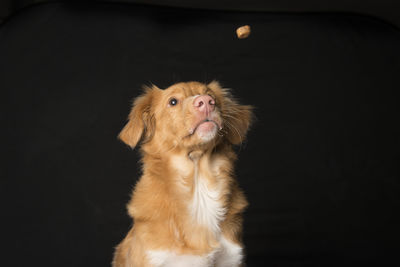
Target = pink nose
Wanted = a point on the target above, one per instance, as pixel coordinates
(204, 103)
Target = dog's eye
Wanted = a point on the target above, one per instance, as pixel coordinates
(173, 102)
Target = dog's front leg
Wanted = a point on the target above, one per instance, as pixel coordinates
(170, 259)
(229, 255)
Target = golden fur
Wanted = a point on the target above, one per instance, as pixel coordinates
(176, 157)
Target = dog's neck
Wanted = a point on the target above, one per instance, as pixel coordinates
(188, 164)
(213, 167)
(210, 162)
(203, 178)
(198, 178)
(195, 155)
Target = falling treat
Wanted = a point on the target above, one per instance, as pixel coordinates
(243, 32)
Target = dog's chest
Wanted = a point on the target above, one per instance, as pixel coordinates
(206, 207)
(205, 189)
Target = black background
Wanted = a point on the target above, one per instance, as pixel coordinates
(320, 166)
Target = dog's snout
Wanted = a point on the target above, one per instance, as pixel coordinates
(204, 103)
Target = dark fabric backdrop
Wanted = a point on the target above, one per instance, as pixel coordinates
(320, 166)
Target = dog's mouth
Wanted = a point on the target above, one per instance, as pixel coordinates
(205, 125)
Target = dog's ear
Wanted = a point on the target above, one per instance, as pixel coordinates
(141, 121)
(236, 118)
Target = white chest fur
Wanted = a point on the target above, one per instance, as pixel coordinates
(206, 205)
(206, 208)
(227, 255)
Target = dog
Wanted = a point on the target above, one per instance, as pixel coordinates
(187, 206)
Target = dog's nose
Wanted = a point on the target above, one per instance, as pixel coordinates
(204, 103)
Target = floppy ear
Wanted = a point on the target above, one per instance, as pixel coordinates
(141, 121)
(236, 118)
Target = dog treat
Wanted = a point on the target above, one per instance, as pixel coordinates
(243, 32)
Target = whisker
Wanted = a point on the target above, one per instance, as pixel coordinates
(230, 116)
(232, 127)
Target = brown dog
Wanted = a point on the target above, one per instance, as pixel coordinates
(187, 207)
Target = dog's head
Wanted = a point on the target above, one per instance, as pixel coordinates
(186, 116)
